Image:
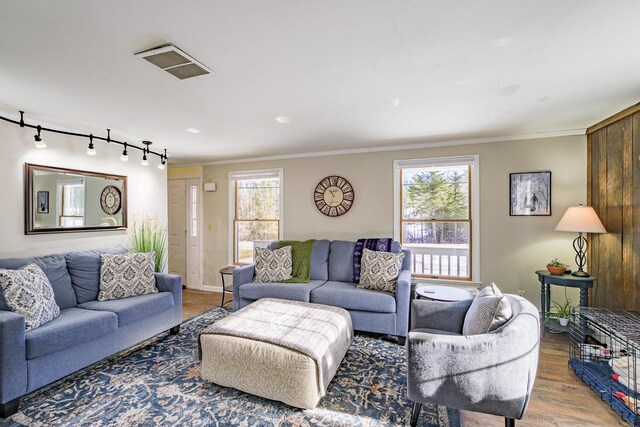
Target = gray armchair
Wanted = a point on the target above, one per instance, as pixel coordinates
(491, 373)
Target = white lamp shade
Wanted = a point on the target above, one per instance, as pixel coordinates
(581, 219)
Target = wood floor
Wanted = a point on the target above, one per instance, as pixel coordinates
(559, 397)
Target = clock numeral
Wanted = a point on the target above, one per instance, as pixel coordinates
(318, 196)
(325, 209)
(332, 211)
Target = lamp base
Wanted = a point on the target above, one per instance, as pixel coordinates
(580, 274)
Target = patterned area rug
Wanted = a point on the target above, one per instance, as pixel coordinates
(158, 384)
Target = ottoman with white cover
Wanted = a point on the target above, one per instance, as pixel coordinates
(277, 349)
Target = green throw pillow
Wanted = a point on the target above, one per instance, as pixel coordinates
(301, 253)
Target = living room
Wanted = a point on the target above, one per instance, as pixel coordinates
(280, 108)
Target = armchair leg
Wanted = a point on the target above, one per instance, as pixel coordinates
(402, 340)
(509, 422)
(415, 413)
(9, 408)
(175, 330)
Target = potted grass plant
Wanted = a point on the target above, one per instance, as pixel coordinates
(150, 235)
(561, 312)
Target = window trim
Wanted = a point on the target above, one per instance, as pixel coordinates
(233, 177)
(474, 206)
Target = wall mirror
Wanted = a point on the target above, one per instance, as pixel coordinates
(65, 200)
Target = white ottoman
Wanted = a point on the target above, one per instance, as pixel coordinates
(277, 349)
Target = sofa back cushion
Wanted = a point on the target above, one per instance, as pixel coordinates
(84, 268)
(319, 268)
(341, 260)
(55, 268)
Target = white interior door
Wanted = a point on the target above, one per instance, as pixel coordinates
(178, 229)
(193, 241)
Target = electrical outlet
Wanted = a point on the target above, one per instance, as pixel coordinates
(521, 292)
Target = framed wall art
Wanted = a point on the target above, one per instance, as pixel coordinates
(530, 194)
(43, 202)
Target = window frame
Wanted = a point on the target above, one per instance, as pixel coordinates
(474, 207)
(233, 200)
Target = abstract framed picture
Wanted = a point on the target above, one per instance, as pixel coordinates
(43, 202)
(530, 193)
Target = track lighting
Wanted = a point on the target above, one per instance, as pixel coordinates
(125, 156)
(39, 142)
(145, 162)
(91, 151)
(163, 160)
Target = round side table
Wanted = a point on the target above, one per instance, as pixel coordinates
(228, 270)
(443, 293)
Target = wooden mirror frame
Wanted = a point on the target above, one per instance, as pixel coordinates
(29, 207)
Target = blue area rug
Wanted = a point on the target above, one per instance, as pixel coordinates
(158, 384)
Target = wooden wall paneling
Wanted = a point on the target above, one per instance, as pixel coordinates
(613, 185)
(602, 213)
(593, 199)
(628, 294)
(635, 236)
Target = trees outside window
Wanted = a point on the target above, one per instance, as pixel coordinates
(256, 214)
(436, 217)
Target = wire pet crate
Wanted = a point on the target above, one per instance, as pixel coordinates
(604, 352)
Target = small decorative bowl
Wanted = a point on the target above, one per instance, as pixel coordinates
(556, 271)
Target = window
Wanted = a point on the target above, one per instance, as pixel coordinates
(437, 216)
(193, 210)
(257, 207)
(71, 203)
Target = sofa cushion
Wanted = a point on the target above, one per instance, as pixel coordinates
(127, 275)
(73, 327)
(489, 310)
(273, 265)
(341, 259)
(434, 331)
(130, 310)
(84, 269)
(290, 291)
(380, 270)
(55, 267)
(319, 268)
(27, 292)
(350, 297)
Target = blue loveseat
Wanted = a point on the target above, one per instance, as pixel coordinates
(86, 331)
(332, 284)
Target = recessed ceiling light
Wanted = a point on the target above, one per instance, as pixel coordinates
(393, 103)
(283, 119)
(193, 130)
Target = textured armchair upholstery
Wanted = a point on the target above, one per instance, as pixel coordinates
(491, 373)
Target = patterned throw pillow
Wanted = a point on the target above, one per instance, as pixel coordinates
(489, 310)
(273, 265)
(27, 291)
(380, 270)
(127, 275)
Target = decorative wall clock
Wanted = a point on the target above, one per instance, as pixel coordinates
(111, 200)
(334, 196)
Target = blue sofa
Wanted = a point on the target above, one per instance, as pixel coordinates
(86, 331)
(332, 284)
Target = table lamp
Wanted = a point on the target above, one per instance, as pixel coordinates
(580, 219)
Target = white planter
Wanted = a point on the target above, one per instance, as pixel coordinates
(563, 321)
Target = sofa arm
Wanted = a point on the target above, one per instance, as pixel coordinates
(445, 316)
(491, 373)
(241, 275)
(13, 359)
(403, 300)
(170, 283)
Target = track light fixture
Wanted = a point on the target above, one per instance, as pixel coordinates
(163, 160)
(39, 142)
(91, 151)
(145, 162)
(125, 156)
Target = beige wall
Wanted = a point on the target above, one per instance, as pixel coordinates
(511, 248)
(147, 189)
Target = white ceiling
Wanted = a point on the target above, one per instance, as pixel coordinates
(460, 69)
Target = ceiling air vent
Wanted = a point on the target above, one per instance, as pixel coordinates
(175, 62)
